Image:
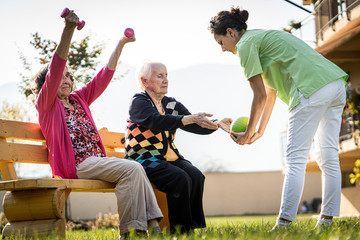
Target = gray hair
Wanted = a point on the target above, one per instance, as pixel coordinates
(145, 71)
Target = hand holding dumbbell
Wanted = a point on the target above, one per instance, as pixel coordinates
(80, 24)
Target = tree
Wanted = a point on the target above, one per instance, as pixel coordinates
(16, 111)
(82, 60)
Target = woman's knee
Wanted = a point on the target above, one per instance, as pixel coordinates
(331, 167)
(197, 176)
(182, 185)
(134, 168)
(327, 156)
(133, 164)
(295, 168)
(182, 178)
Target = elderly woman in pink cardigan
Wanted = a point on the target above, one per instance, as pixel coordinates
(74, 144)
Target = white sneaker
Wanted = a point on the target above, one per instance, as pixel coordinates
(324, 223)
(281, 225)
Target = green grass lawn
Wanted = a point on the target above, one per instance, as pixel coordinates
(244, 227)
(248, 227)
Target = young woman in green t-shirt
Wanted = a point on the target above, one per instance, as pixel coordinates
(277, 63)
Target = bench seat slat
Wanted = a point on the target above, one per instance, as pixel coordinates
(76, 185)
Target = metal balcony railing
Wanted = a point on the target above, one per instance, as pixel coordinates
(328, 12)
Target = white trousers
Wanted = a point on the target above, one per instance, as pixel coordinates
(136, 200)
(320, 114)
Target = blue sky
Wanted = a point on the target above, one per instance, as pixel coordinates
(173, 32)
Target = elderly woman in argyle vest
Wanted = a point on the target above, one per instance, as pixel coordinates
(153, 121)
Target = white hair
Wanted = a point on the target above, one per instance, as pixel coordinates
(145, 71)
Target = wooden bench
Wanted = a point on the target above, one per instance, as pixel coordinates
(36, 207)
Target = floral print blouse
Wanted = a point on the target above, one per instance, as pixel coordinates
(83, 135)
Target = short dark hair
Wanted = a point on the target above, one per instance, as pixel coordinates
(235, 19)
(38, 80)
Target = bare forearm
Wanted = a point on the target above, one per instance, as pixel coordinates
(269, 105)
(71, 21)
(258, 103)
(114, 58)
(200, 119)
(257, 107)
(62, 49)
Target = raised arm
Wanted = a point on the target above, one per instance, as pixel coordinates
(48, 94)
(71, 21)
(93, 89)
(114, 58)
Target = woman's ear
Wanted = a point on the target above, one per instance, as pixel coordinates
(144, 81)
(230, 31)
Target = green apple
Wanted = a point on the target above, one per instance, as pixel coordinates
(239, 125)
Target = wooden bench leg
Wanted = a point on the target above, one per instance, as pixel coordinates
(35, 213)
(162, 202)
(36, 229)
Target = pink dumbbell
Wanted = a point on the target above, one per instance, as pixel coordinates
(80, 24)
(129, 32)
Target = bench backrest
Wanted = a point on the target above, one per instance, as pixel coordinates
(23, 142)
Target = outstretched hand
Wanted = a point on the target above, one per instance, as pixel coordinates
(240, 138)
(255, 137)
(243, 138)
(200, 119)
(225, 124)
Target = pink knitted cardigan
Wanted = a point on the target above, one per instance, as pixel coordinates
(52, 115)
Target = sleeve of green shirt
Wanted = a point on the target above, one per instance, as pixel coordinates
(249, 59)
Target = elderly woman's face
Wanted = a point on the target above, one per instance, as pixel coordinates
(66, 84)
(158, 82)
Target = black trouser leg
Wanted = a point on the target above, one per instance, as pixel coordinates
(196, 194)
(183, 184)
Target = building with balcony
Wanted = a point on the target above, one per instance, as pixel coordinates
(337, 24)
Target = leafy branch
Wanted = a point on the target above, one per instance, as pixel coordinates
(82, 60)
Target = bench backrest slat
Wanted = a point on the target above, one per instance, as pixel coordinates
(17, 152)
(13, 148)
(20, 130)
(111, 139)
